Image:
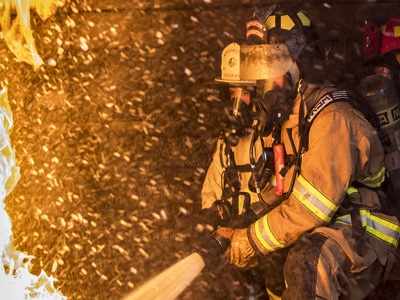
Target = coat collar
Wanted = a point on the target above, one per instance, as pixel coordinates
(310, 96)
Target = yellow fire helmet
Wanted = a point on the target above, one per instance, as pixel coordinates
(244, 64)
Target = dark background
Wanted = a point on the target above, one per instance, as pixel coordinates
(114, 141)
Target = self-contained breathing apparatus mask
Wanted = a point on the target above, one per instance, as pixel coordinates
(274, 105)
(241, 112)
(239, 89)
(274, 102)
(250, 65)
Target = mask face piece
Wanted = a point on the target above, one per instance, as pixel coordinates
(240, 114)
(274, 104)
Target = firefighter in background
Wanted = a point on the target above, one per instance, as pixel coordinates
(380, 91)
(381, 48)
(380, 94)
(390, 50)
(322, 199)
(276, 23)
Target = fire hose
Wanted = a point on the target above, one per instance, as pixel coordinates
(171, 282)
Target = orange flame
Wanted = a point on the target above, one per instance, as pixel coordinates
(17, 33)
(16, 281)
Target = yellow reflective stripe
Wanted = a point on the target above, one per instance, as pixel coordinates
(388, 231)
(316, 193)
(382, 235)
(304, 19)
(310, 206)
(381, 221)
(374, 180)
(287, 22)
(377, 226)
(270, 22)
(260, 238)
(269, 233)
(351, 190)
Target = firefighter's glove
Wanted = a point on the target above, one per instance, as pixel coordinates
(241, 253)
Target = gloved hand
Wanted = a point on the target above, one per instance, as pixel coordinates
(241, 253)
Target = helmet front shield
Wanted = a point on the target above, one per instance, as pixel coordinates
(245, 64)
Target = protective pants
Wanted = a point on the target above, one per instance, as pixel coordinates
(317, 268)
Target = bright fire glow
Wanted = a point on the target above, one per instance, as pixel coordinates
(16, 281)
(17, 32)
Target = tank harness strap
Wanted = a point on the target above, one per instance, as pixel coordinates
(231, 160)
(231, 182)
(322, 103)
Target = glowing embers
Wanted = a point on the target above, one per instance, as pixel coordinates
(16, 281)
(17, 31)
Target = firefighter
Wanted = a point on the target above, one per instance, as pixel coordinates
(381, 49)
(322, 200)
(380, 94)
(390, 45)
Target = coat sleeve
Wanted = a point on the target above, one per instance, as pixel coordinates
(339, 150)
(213, 182)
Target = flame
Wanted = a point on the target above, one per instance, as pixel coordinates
(16, 281)
(17, 33)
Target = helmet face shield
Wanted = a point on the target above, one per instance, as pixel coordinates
(231, 67)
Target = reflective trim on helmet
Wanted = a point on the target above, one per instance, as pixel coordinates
(375, 180)
(304, 19)
(312, 199)
(287, 22)
(270, 22)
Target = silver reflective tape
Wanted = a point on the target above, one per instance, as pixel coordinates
(265, 234)
(389, 117)
(366, 221)
(324, 101)
(319, 106)
(307, 196)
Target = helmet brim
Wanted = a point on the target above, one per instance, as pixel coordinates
(235, 82)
